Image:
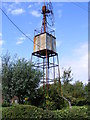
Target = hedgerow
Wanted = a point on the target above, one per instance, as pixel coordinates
(22, 112)
(76, 113)
(25, 112)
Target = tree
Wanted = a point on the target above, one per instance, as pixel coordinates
(73, 92)
(78, 90)
(66, 79)
(67, 76)
(19, 78)
(6, 76)
(49, 99)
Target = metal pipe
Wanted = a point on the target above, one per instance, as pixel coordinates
(46, 78)
(59, 74)
(46, 68)
(43, 74)
(54, 70)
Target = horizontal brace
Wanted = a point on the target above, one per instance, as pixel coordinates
(46, 67)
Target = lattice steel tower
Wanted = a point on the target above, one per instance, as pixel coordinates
(44, 54)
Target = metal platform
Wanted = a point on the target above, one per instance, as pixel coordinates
(42, 53)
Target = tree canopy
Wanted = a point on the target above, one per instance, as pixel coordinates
(19, 78)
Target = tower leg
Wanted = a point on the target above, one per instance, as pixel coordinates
(54, 70)
(31, 59)
(59, 74)
(38, 62)
(46, 69)
(46, 79)
(43, 73)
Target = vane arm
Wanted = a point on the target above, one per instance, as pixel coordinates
(47, 12)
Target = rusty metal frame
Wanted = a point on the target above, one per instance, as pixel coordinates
(46, 65)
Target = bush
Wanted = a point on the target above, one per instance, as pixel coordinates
(76, 113)
(81, 102)
(78, 101)
(5, 104)
(22, 112)
(26, 112)
(52, 99)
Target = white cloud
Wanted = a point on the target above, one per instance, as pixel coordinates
(35, 13)
(28, 35)
(78, 63)
(54, 28)
(17, 1)
(13, 8)
(0, 35)
(59, 42)
(59, 13)
(29, 6)
(17, 11)
(1, 42)
(20, 40)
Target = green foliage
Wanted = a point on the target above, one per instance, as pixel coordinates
(67, 76)
(19, 78)
(55, 95)
(53, 100)
(5, 104)
(76, 113)
(30, 112)
(81, 102)
(26, 112)
(77, 93)
(78, 89)
(6, 76)
(50, 99)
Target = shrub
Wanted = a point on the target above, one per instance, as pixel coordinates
(52, 99)
(26, 112)
(5, 104)
(81, 102)
(76, 113)
(23, 112)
